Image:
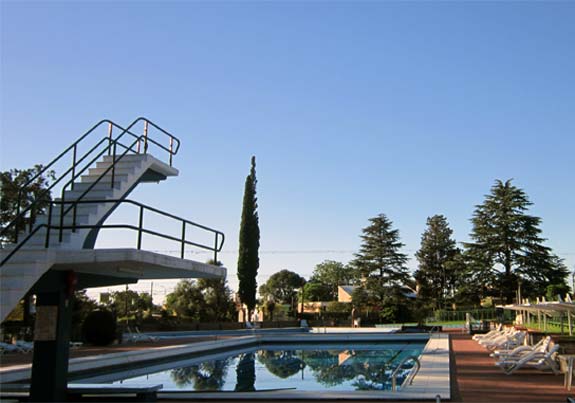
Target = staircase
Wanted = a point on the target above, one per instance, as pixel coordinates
(73, 220)
(93, 209)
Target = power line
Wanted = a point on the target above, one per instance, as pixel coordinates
(266, 252)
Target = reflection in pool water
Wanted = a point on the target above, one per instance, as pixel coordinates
(361, 367)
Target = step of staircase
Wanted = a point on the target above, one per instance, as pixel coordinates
(93, 194)
(68, 219)
(83, 186)
(131, 158)
(122, 168)
(105, 179)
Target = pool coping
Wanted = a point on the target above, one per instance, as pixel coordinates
(433, 378)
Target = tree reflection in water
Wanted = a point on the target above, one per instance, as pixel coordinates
(282, 364)
(208, 375)
(246, 373)
(369, 370)
(362, 369)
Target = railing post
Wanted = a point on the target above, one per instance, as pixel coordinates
(74, 217)
(140, 226)
(183, 239)
(216, 250)
(47, 244)
(113, 167)
(17, 220)
(171, 149)
(145, 137)
(74, 164)
(61, 229)
(110, 128)
(31, 223)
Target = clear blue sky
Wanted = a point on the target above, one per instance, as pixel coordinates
(352, 109)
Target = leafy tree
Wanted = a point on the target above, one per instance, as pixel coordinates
(219, 304)
(11, 183)
(130, 301)
(437, 276)
(381, 264)
(249, 243)
(332, 274)
(317, 292)
(186, 300)
(281, 286)
(507, 246)
(202, 300)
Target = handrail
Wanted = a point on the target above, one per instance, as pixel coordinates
(112, 168)
(73, 146)
(75, 162)
(112, 144)
(409, 378)
(219, 236)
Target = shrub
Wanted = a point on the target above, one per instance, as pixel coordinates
(99, 328)
(338, 307)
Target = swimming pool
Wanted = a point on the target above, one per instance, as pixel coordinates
(432, 379)
(301, 367)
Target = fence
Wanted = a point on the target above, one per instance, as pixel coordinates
(459, 315)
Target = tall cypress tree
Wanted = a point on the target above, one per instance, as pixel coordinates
(437, 275)
(249, 243)
(508, 249)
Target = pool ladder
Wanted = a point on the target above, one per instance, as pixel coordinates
(411, 375)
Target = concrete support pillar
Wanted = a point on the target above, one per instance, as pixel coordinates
(52, 341)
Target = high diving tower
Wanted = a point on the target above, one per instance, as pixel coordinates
(54, 254)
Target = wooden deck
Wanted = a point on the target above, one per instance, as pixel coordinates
(474, 377)
(477, 379)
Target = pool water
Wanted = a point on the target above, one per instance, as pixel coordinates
(299, 367)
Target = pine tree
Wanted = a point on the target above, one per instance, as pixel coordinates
(249, 243)
(437, 274)
(380, 262)
(508, 248)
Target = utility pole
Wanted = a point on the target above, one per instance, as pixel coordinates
(126, 305)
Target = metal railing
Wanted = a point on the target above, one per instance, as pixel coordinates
(75, 171)
(217, 246)
(409, 379)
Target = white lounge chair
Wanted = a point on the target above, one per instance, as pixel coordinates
(506, 342)
(136, 336)
(542, 346)
(535, 359)
(495, 332)
(26, 346)
(13, 348)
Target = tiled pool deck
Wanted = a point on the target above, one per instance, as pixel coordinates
(473, 377)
